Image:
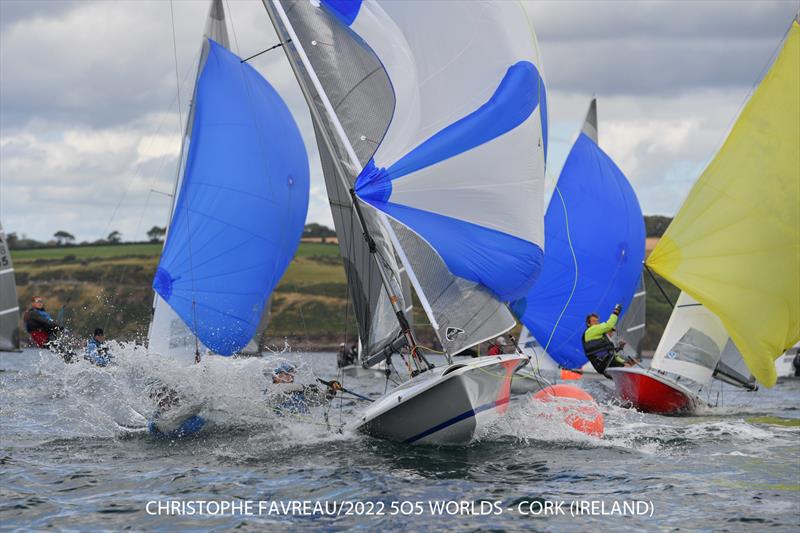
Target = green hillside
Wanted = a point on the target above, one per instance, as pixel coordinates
(109, 287)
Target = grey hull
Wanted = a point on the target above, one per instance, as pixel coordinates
(447, 405)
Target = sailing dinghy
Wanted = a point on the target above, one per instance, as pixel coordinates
(431, 123)
(693, 351)
(734, 251)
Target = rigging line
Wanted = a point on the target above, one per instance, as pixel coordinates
(233, 28)
(186, 203)
(574, 260)
(273, 47)
(142, 163)
(660, 288)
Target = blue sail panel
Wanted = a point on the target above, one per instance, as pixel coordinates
(241, 207)
(594, 207)
(496, 260)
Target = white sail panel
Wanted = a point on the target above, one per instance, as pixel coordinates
(692, 343)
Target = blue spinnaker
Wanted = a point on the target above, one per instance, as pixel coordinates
(241, 206)
(596, 209)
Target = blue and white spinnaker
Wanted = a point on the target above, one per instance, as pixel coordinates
(462, 161)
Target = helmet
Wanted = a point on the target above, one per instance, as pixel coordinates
(286, 368)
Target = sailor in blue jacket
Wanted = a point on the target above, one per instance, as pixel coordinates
(96, 349)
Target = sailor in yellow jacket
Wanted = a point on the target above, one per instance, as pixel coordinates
(597, 346)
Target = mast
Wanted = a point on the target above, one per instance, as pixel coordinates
(277, 13)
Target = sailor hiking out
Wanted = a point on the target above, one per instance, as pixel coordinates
(598, 347)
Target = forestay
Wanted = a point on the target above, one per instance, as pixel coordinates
(241, 205)
(595, 247)
(9, 305)
(735, 243)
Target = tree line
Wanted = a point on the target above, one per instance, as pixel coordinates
(655, 225)
(155, 235)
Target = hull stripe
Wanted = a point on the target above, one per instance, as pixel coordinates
(459, 418)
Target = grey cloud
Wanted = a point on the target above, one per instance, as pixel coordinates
(657, 47)
(696, 20)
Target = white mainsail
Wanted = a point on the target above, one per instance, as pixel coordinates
(696, 346)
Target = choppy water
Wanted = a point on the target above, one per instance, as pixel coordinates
(72, 458)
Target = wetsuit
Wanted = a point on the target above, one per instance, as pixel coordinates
(41, 326)
(294, 398)
(97, 352)
(599, 349)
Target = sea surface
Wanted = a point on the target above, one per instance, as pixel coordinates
(74, 455)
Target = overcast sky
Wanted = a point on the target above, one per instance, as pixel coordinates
(89, 125)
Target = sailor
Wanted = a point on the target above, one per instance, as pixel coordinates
(498, 347)
(97, 350)
(45, 330)
(796, 364)
(597, 346)
(287, 396)
(39, 324)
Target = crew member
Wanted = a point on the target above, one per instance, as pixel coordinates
(39, 324)
(286, 395)
(597, 345)
(97, 350)
(498, 347)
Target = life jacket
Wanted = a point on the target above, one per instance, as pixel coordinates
(29, 325)
(599, 352)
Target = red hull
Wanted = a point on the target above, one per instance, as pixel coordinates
(652, 393)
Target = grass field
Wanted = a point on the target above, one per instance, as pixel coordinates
(86, 252)
(306, 249)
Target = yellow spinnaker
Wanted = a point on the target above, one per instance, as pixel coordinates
(734, 246)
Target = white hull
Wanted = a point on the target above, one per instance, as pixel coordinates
(784, 365)
(448, 405)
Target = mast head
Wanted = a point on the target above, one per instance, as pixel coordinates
(590, 124)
